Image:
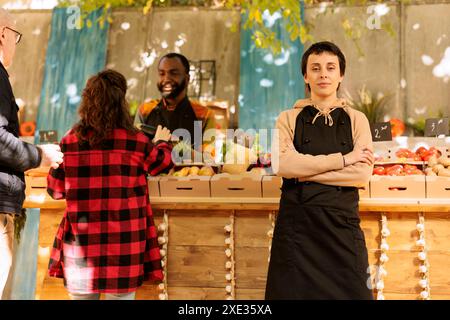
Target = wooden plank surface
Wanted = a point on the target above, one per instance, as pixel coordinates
(249, 294)
(251, 267)
(47, 287)
(196, 293)
(38, 198)
(251, 230)
(370, 224)
(147, 292)
(196, 257)
(439, 272)
(198, 229)
(196, 266)
(402, 276)
(437, 231)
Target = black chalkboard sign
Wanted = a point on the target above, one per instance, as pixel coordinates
(48, 136)
(381, 131)
(435, 127)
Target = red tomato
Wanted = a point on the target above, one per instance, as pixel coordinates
(395, 170)
(379, 171)
(404, 153)
(394, 167)
(427, 155)
(421, 150)
(436, 151)
(411, 171)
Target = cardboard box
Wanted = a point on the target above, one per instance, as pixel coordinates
(236, 186)
(397, 186)
(190, 186)
(271, 186)
(437, 187)
(364, 192)
(153, 186)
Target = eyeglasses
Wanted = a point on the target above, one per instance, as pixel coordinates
(18, 34)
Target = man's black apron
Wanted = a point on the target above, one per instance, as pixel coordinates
(182, 117)
(318, 249)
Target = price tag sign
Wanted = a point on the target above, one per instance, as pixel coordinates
(48, 136)
(435, 127)
(381, 131)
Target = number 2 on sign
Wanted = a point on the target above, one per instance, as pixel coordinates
(377, 132)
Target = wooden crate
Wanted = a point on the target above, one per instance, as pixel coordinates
(240, 186)
(195, 186)
(411, 187)
(153, 186)
(271, 186)
(437, 187)
(364, 192)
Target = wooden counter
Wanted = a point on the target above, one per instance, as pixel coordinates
(196, 245)
(38, 199)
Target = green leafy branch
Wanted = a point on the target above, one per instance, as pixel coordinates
(252, 12)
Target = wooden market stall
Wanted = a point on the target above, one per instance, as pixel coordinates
(197, 230)
(215, 232)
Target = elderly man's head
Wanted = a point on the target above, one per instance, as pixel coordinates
(9, 37)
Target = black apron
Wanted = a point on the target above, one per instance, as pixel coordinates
(182, 117)
(318, 248)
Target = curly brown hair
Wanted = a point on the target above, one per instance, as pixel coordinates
(103, 108)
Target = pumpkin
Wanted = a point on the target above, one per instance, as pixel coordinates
(27, 128)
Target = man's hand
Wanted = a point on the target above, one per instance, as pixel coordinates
(51, 155)
(359, 154)
(161, 134)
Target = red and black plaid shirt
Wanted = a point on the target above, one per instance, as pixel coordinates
(107, 240)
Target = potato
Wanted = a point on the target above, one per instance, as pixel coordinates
(185, 171)
(444, 161)
(177, 173)
(235, 168)
(444, 173)
(206, 171)
(430, 172)
(432, 161)
(193, 171)
(438, 167)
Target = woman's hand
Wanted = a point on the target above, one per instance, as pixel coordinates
(359, 154)
(162, 134)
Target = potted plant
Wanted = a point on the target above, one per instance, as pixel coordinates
(374, 107)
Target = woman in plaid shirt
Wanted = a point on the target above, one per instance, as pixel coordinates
(107, 240)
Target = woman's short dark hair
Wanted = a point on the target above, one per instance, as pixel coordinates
(103, 108)
(320, 47)
(184, 61)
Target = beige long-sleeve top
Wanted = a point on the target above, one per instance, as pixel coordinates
(326, 169)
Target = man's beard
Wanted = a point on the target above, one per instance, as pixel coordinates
(177, 89)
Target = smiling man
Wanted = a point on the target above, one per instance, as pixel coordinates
(174, 110)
